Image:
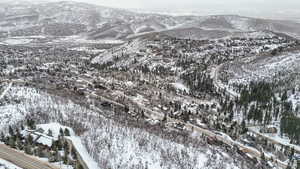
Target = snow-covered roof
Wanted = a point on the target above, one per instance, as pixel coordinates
(40, 136)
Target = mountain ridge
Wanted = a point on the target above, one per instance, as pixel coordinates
(67, 18)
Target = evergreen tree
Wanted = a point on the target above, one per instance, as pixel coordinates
(73, 153)
(12, 142)
(292, 154)
(18, 134)
(78, 165)
(298, 164)
(65, 159)
(11, 131)
(263, 157)
(28, 149)
(56, 156)
(284, 96)
(230, 117)
(19, 144)
(54, 145)
(50, 133)
(31, 124)
(165, 118)
(30, 139)
(66, 147)
(2, 137)
(59, 144)
(67, 132)
(22, 127)
(66, 153)
(40, 152)
(244, 128)
(186, 116)
(61, 132)
(251, 113)
(6, 141)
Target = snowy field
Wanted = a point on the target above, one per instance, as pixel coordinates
(21, 40)
(80, 39)
(110, 144)
(16, 41)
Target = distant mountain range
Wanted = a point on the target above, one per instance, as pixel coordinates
(97, 22)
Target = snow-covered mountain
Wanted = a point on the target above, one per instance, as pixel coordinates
(97, 22)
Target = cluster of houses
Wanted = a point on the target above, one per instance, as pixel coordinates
(59, 67)
(215, 51)
(44, 141)
(147, 80)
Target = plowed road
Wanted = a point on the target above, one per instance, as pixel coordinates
(22, 160)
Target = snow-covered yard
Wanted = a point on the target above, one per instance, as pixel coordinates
(7, 165)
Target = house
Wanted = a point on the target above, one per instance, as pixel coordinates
(271, 130)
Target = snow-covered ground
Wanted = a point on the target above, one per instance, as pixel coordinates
(117, 146)
(89, 161)
(110, 144)
(266, 69)
(14, 111)
(80, 39)
(43, 137)
(16, 41)
(180, 86)
(7, 165)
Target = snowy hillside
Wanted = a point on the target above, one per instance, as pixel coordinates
(113, 145)
(71, 18)
(148, 91)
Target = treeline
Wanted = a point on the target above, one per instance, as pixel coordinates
(198, 82)
(261, 103)
(290, 126)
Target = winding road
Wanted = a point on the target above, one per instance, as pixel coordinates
(215, 76)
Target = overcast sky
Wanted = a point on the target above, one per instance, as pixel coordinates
(194, 4)
(271, 8)
(241, 7)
